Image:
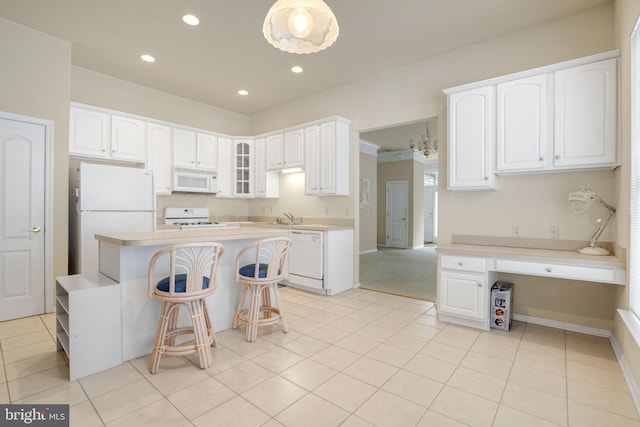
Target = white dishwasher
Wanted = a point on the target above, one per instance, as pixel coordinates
(306, 258)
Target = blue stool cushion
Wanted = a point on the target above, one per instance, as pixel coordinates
(181, 283)
(249, 270)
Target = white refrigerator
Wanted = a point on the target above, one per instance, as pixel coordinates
(107, 199)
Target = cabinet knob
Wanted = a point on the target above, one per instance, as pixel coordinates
(460, 263)
(558, 157)
(547, 269)
(486, 178)
(479, 284)
(541, 158)
(104, 149)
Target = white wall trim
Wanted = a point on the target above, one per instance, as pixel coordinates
(632, 385)
(563, 325)
(369, 148)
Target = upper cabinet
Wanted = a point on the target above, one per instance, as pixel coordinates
(98, 134)
(523, 131)
(285, 150)
(89, 132)
(586, 119)
(327, 158)
(128, 139)
(243, 167)
(266, 183)
(273, 147)
(293, 151)
(471, 130)
(225, 167)
(193, 149)
(159, 156)
(552, 119)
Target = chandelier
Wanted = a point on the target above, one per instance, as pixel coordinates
(426, 145)
(300, 26)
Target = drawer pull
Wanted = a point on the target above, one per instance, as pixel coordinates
(547, 269)
(460, 263)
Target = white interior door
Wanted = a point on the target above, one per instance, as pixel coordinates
(397, 208)
(22, 218)
(429, 213)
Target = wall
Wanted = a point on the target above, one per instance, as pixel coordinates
(626, 15)
(368, 213)
(34, 81)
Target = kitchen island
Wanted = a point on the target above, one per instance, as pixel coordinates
(125, 259)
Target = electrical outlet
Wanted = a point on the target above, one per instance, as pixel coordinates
(515, 230)
(554, 232)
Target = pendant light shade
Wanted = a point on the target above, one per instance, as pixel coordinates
(300, 26)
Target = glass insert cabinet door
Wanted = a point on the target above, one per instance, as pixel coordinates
(243, 160)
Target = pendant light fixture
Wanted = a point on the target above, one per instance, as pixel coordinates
(300, 26)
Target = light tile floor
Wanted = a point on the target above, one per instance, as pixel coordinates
(361, 358)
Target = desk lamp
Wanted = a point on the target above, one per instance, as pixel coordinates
(581, 201)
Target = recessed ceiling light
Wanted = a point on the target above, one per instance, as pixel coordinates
(190, 20)
(243, 92)
(296, 69)
(147, 58)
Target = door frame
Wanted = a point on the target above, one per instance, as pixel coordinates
(49, 289)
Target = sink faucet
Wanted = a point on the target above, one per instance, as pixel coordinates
(290, 217)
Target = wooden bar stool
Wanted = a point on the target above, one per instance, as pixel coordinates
(263, 267)
(192, 278)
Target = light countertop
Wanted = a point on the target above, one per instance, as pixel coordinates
(173, 236)
(548, 255)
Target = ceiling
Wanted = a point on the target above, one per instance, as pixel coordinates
(227, 51)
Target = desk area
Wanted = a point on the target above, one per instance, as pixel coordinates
(466, 273)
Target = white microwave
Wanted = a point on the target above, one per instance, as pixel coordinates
(194, 181)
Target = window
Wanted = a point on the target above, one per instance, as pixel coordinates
(634, 243)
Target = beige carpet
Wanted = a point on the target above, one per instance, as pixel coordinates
(404, 272)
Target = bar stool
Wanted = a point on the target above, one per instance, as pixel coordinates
(265, 267)
(192, 278)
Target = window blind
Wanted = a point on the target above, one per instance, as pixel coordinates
(634, 243)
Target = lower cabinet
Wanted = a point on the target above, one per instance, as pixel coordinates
(464, 285)
(88, 325)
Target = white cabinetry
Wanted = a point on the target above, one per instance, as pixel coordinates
(99, 134)
(206, 151)
(266, 183)
(128, 139)
(88, 133)
(184, 148)
(243, 168)
(88, 325)
(159, 156)
(274, 147)
(463, 290)
(471, 139)
(586, 115)
(225, 167)
(523, 130)
(293, 151)
(327, 158)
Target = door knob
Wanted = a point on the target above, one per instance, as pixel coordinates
(35, 229)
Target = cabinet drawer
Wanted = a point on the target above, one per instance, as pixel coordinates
(564, 271)
(452, 262)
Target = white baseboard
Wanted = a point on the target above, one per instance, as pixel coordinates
(626, 372)
(368, 251)
(563, 325)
